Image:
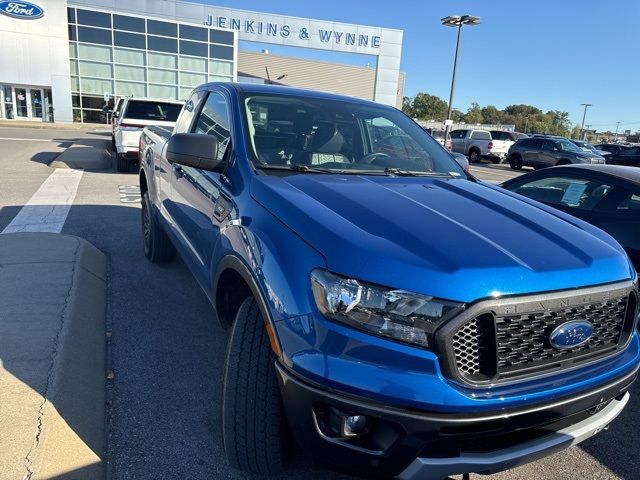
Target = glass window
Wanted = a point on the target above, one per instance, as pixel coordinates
(95, 69)
(341, 135)
(630, 151)
(131, 73)
(73, 50)
(163, 91)
(133, 57)
(567, 146)
(580, 193)
(162, 44)
(191, 108)
(152, 110)
(219, 78)
(193, 48)
(71, 15)
(72, 33)
(220, 68)
(131, 40)
(77, 116)
(221, 36)
(130, 88)
(192, 79)
(73, 67)
(162, 60)
(165, 29)
(163, 76)
(549, 145)
(214, 120)
(94, 35)
(458, 133)
(195, 64)
(93, 116)
(185, 92)
(630, 202)
(193, 33)
(480, 135)
(75, 100)
(95, 19)
(221, 52)
(75, 86)
(93, 102)
(132, 24)
(95, 85)
(94, 52)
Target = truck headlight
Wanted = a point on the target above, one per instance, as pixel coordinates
(397, 314)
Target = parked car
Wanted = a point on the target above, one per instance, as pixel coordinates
(476, 144)
(502, 141)
(389, 312)
(117, 108)
(439, 135)
(587, 147)
(629, 156)
(607, 196)
(542, 152)
(614, 148)
(135, 114)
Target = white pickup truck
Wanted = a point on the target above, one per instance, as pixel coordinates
(477, 144)
(134, 115)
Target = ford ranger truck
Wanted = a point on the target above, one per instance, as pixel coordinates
(386, 311)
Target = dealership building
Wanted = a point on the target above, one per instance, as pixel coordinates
(63, 61)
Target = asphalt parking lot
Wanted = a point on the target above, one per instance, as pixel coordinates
(167, 348)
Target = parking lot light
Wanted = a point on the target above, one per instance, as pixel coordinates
(584, 115)
(456, 21)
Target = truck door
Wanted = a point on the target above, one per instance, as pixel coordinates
(199, 202)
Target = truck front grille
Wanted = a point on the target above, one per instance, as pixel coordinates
(499, 341)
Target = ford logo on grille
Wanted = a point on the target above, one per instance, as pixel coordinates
(23, 10)
(571, 334)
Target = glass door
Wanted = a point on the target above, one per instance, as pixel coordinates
(7, 99)
(22, 105)
(37, 107)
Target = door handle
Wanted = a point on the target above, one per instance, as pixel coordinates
(177, 170)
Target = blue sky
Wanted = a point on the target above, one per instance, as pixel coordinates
(551, 54)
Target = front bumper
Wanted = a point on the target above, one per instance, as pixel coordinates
(411, 444)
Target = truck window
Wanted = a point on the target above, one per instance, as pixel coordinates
(480, 135)
(214, 120)
(458, 133)
(191, 107)
(144, 110)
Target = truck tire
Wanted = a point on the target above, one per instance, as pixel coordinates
(474, 155)
(253, 423)
(122, 163)
(157, 245)
(515, 162)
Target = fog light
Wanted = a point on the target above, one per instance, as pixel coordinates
(353, 425)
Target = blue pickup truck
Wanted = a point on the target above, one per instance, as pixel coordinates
(385, 310)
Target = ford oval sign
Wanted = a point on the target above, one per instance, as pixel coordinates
(571, 334)
(21, 10)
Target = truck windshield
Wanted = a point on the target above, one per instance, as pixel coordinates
(139, 110)
(316, 134)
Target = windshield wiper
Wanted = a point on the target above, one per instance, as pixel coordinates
(411, 173)
(296, 167)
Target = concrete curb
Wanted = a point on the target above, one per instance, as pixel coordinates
(65, 434)
(86, 154)
(53, 126)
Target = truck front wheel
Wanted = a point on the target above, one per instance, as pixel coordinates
(157, 246)
(253, 423)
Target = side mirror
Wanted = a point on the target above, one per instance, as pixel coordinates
(461, 160)
(194, 150)
(115, 114)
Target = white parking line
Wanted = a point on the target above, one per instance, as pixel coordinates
(30, 139)
(47, 209)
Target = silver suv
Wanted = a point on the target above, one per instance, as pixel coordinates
(546, 152)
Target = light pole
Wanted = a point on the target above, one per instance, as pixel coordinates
(616, 137)
(456, 21)
(584, 115)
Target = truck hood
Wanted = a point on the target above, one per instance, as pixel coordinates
(450, 238)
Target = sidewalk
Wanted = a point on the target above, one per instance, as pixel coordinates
(52, 357)
(54, 126)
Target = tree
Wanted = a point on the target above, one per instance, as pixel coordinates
(474, 114)
(426, 107)
(491, 114)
